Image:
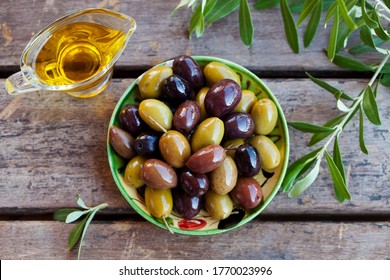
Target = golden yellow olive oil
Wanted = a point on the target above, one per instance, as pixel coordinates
(76, 52)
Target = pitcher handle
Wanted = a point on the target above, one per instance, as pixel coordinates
(18, 83)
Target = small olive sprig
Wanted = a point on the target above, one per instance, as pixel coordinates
(297, 178)
(70, 215)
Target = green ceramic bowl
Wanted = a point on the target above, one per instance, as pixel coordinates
(203, 224)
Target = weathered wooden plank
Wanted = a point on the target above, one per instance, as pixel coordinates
(160, 36)
(141, 240)
(53, 147)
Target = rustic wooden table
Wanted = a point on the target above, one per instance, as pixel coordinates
(53, 146)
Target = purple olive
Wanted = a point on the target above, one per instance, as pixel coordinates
(147, 144)
(187, 68)
(130, 120)
(222, 98)
(177, 89)
(186, 205)
(122, 142)
(247, 193)
(247, 160)
(194, 184)
(206, 159)
(186, 116)
(238, 126)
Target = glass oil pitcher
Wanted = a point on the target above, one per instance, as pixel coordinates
(75, 54)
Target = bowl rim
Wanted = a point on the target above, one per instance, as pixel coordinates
(275, 189)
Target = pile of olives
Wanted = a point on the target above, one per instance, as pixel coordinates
(196, 140)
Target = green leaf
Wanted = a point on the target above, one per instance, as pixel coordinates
(336, 92)
(317, 137)
(265, 4)
(245, 23)
(296, 6)
(61, 214)
(344, 14)
(341, 106)
(337, 158)
(220, 10)
(313, 24)
(339, 163)
(76, 232)
(300, 186)
(332, 9)
(385, 80)
(307, 9)
(337, 178)
(350, 63)
(366, 37)
(298, 167)
(387, 2)
(209, 7)
(333, 36)
(197, 22)
(85, 228)
(311, 128)
(380, 31)
(363, 48)
(74, 216)
(367, 19)
(361, 132)
(181, 4)
(81, 203)
(290, 28)
(370, 106)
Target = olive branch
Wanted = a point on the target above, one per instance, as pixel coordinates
(350, 18)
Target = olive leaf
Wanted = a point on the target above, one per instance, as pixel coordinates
(70, 215)
(61, 214)
(361, 132)
(308, 127)
(350, 63)
(333, 35)
(246, 25)
(301, 185)
(336, 92)
(337, 178)
(313, 24)
(299, 167)
(344, 10)
(307, 9)
(289, 26)
(370, 106)
(221, 9)
(367, 19)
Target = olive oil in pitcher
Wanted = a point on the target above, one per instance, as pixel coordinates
(76, 52)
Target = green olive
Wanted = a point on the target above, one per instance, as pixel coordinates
(247, 101)
(269, 153)
(174, 148)
(200, 99)
(151, 83)
(232, 145)
(224, 177)
(216, 71)
(219, 206)
(132, 174)
(264, 115)
(210, 131)
(158, 202)
(156, 114)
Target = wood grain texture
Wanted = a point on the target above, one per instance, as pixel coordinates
(160, 36)
(53, 147)
(139, 240)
